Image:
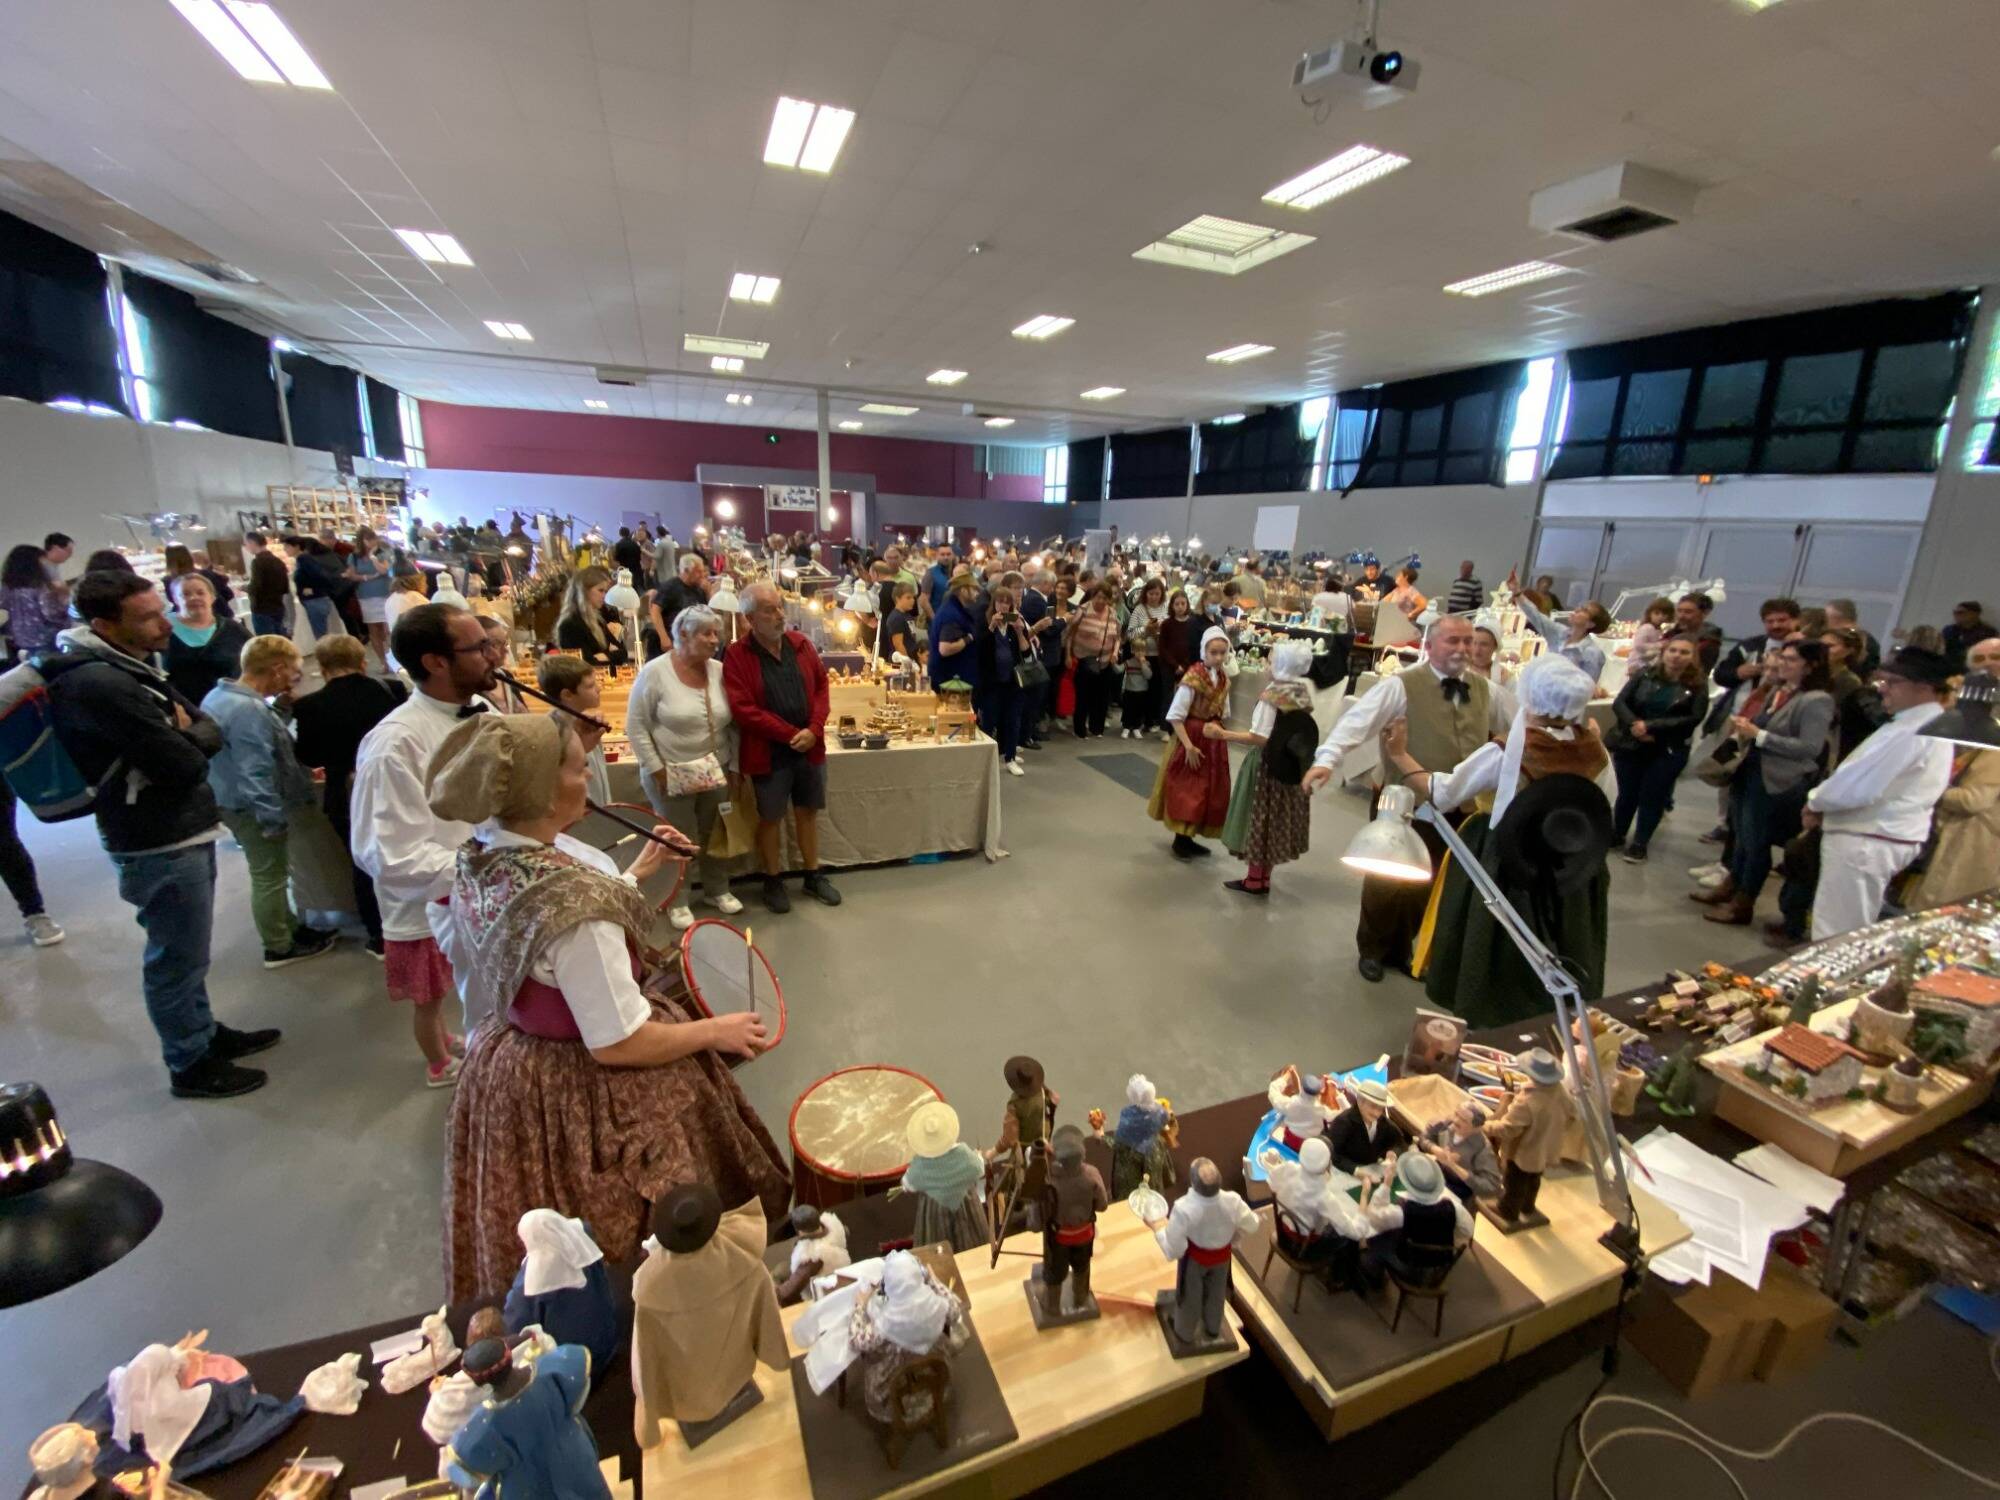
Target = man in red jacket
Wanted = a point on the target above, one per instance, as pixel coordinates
(778, 697)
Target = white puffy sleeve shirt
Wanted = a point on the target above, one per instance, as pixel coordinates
(1479, 773)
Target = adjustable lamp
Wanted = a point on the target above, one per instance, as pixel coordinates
(1969, 721)
(61, 1219)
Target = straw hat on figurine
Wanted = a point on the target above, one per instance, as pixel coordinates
(1375, 1092)
(1422, 1178)
(933, 1129)
(1539, 1065)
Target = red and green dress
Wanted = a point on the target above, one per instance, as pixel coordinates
(1194, 800)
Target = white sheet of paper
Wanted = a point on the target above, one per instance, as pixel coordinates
(396, 1346)
(1686, 1262)
(1785, 1171)
(381, 1490)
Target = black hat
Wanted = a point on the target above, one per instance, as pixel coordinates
(1023, 1074)
(1555, 833)
(1914, 664)
(685, 1219)
(806, 1222)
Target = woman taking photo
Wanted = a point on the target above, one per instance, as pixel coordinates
(1657, 713)
(1191, 792)
(1142, 639)
(685, 738)
(1003, 646)
(1092, 654)
(586, 1089)
(1780, 735)
(586, 625)
(202, 650)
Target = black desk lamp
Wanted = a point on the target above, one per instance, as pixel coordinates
(1969, 721)
(61, 1219)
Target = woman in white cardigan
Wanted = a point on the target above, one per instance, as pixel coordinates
(678, 716)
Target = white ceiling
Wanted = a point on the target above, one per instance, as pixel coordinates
(601, 161)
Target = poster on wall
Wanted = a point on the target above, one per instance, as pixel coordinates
(1277, 527)
(803, 497)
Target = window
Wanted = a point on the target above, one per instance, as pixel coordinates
(1055, 476)
(132, 357)
(413, 431)
(1313, 424)
(367, 419)
(1441, 429)
(1982, 451)
(1531, 420)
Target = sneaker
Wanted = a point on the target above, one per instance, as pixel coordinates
(43, 931)
(821, 889)
(1635, 854)
(1706, 872)
(305, 934)
(1124, 734)
(1715, 835)
(229, 1044)
(374, 947)
(444, 1076)
(682, 918)
(215, 1077)
(775, 899)
(1714, 878)
(727, 904)
(1014, 768)
(1032, 745)
(302, 948)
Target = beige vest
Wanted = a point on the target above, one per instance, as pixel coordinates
(1442, 734)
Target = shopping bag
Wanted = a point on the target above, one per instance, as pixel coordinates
(735, 833)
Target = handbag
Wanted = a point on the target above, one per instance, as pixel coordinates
(1030, 673)
(1720, 768)
(704, 773)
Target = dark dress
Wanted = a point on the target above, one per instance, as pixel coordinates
(193, 670)
(586, 1315)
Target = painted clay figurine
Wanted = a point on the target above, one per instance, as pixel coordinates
(1362, 1134)
(61, 1458)
(947, 1176)
(911, 1315)
(1528, 1138)
(1305, 1189)
(453, 1397)
(1204, 1224)
(433, 1357)
(335, 1387)
(704, 1313)
(1072, 1198)
(527, 1436)
(1300, 1100)
(1031, 1106)
(563, 1287)
(819, 1251)
(1139, 1142)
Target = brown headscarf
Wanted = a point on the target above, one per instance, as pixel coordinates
(497, 766)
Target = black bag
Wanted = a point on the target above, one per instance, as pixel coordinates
(1030, 673)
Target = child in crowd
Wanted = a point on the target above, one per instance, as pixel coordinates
(1137, 700)
(1650, 636)
(572, 682)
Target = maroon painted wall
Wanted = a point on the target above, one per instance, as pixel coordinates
(560, 442)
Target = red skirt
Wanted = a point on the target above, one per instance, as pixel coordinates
(1192, 800)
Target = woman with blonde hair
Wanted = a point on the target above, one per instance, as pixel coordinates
(586, 625)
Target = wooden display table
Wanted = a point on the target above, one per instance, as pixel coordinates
(1076, 1394)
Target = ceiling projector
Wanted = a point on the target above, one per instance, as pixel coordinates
(1383, 75)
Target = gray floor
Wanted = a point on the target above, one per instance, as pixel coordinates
(313, 1204)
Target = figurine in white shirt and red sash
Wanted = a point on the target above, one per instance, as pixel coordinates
(1204, 1226)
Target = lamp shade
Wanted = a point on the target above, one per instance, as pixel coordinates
(61, 1219)
(1969, 721)
(1387, 845)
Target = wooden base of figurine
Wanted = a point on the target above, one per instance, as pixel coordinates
(1071, 1312)
(694, 1434)
(1163, 1309)
(1529, 1220)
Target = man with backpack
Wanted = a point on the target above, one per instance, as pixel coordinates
(145, 749)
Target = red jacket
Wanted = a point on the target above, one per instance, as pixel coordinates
(756, 726)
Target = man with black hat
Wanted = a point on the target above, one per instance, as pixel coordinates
(1072, 1198)
(1874, 811)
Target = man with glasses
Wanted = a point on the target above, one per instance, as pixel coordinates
(409, 851)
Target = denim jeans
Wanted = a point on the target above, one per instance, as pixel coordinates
(320, 613)
(174, 892)
(268, 624)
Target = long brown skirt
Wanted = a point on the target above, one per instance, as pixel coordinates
(542, 1124)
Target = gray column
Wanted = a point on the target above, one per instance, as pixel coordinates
(825, 467)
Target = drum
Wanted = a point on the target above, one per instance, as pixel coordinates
(722, 974)
(849, 1132)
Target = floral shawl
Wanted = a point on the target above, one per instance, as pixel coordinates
(512, 902)
(1211, 693)
(1284, 693)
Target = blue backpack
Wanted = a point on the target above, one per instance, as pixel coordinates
(33, 760)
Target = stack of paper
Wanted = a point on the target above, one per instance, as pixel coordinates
(1781, 1169)
(1731, 1214)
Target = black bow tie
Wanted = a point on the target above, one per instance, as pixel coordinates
(474, 710)
(1455, 690)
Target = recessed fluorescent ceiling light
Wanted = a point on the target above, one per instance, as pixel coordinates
(433, 247)
(509, 331)
(1344, 173)
(597, 405)
(999, 421)
(1235, 354)
(945, 377)
(743, 287)
(1228, 247)
(708, 343)
(1499, 281)
(1046, 326)
(253, 41)
(850, 426)
(1103, 392)
(727, 364)
(1229, 421)
(806, 135)
(738, 398)
(882, 408)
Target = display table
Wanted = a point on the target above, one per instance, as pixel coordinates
(1076, 1394)
(884, 806)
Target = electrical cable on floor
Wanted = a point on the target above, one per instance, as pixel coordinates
(1712, 1447)
(1626, 1285)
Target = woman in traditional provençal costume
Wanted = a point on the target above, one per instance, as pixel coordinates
(1191, 792)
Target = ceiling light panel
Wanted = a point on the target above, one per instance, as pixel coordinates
(945, 377)
(728, 364)
(1235, 354)
(850, 426)
(807, 136)
(884, 409)
(1227, 421)
(1103, 392)
(707, 343)
(1044, 326)
(229, 39)
(999, 421)
(434, 248)
(595, 405)
(501, 330)
(515, 330)
(1228, 247)
(739, 398)
(274, 38)
(1507, 276)
(1355, 167)
(744, 287)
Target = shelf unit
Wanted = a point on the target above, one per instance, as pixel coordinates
(307, 509)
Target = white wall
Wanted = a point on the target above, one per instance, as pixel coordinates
(1774, 497)
(1959, 557)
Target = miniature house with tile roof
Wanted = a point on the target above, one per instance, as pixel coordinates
(1964, 996)
(1799, 1058)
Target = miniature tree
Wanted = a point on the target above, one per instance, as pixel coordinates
(1894, 993)
(1807, 998)
(1679, 1098)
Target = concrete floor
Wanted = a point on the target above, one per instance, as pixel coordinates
(313, 1204)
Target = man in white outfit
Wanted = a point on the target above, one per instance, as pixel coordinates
(1205, 1223)
(1874, 811)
